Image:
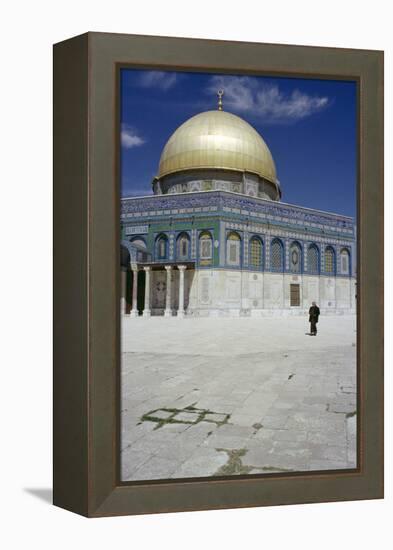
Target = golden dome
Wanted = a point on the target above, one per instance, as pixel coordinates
(217, 139)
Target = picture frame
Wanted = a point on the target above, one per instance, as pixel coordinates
(86, 274)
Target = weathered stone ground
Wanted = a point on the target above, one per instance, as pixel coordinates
(211, 397)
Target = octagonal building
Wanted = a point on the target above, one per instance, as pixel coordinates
(215, 238)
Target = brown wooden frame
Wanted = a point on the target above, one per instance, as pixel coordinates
(86, 274)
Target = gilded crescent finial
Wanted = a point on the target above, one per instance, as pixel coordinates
(220, 93)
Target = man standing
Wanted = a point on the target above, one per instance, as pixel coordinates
(314, 315)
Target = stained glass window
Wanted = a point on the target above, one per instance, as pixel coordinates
(205, 247)
(295, 258)
(255, 252)
(183, 243)
(162, 247)
(329, 260)
(276, 256)
(313, 259)
(233, 249)
(344, 262)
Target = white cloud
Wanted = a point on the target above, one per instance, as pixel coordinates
(137, 192)
(265, 100)
(130, 138)
(158, 79)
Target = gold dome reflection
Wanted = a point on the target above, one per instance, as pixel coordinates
(217, 139)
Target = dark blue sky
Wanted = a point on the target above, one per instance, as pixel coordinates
(309, 126)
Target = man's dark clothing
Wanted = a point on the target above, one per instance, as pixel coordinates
(314, 315)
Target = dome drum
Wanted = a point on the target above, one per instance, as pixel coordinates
(192, 181)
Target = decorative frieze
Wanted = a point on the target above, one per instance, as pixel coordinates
(136, 229)
(231, 202)
(243, 214)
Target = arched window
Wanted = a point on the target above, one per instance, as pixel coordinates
(330, 266)
(233, 249)
(313, 259)
(205, 248)
(183, 246)
(255, 251)
(344, 261)
(162, 247)
(277, 255)
(295, 258)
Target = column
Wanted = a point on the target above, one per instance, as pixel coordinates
(168, 298)
(146, 310)
(180, 311)
(123, 292)
(134, 310)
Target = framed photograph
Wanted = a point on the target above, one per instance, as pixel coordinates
(218, 274)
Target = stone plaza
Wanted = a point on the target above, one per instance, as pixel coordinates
(205, 397)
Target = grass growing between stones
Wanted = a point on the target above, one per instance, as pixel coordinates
(171, 416)
(235, 466)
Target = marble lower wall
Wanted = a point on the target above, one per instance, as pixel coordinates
(244, 293)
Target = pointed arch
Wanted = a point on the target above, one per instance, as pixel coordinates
(295, 257)
(233, 249)
(345, 261)
(255, 249)
(205, 249)
(277, 255)
(330, 260)
(183, 246)
(313, 259)
(162, 247)
(138, 241)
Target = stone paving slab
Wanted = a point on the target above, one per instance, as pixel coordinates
(327, 465)
(131, 460)
(215, 417)
(261, 397)
(156, 468)
(186, 416)
(201, 465)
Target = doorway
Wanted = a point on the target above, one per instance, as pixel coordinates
(295, 295)
(141, 291)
